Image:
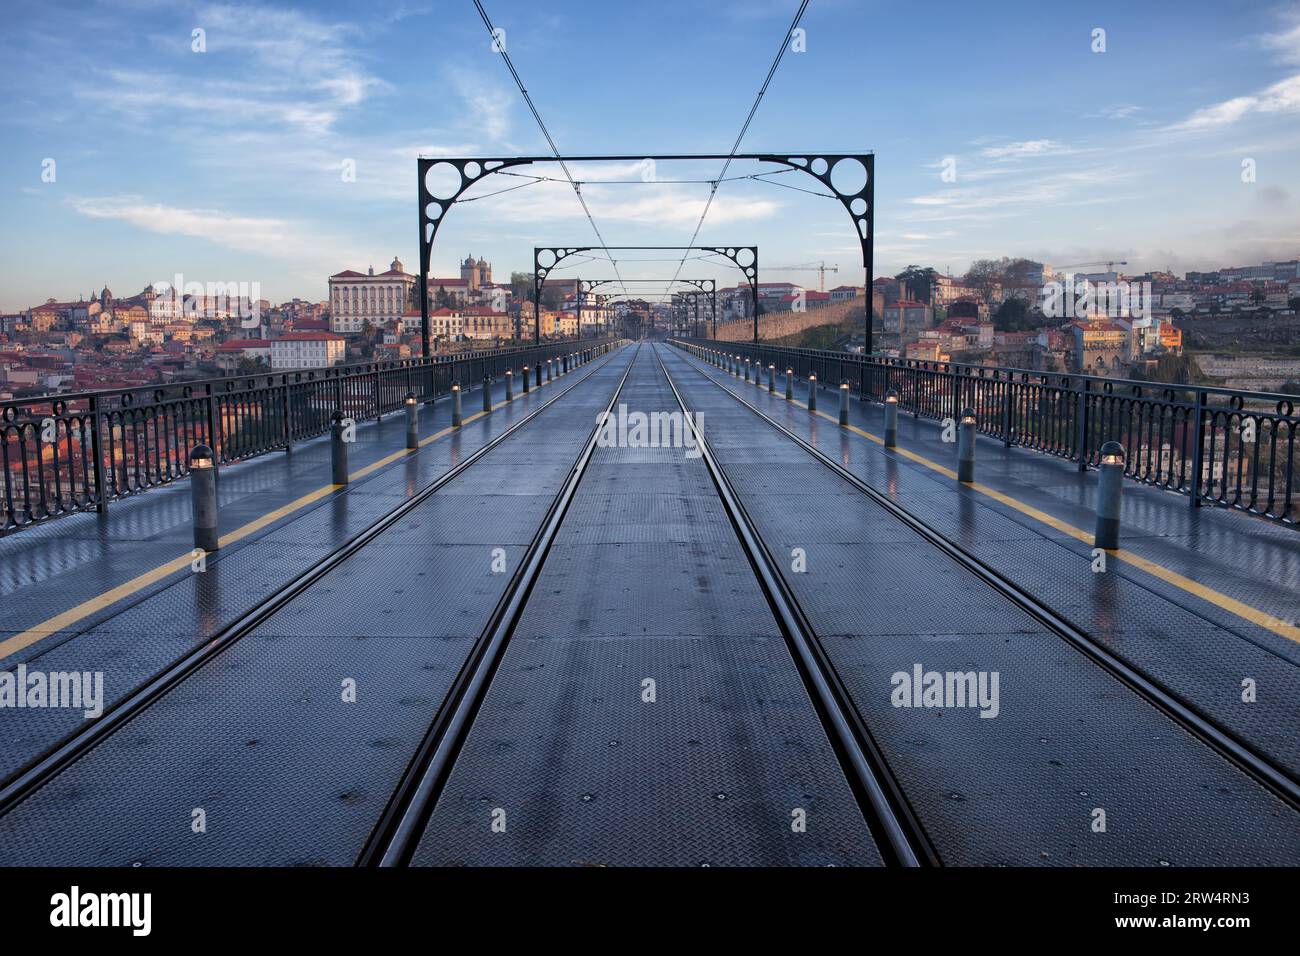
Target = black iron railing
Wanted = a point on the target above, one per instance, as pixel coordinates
(61, 454)
(1221, 446)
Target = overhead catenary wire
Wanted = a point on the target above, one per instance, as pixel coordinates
(577, 189)
(735, 147)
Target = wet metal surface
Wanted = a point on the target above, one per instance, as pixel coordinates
(1021, 787)
(1196, 649)
(646, 583)
(261, 738)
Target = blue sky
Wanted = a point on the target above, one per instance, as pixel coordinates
(226, 165)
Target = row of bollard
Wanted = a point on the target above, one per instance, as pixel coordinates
(1110, 479)
(203, 468)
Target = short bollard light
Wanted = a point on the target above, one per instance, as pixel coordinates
(1110, 486)
(526, 379)
(771, 378)
(747, 363)
(455, 404)
(812, 392)
(338, 450)
(735, 365)
(510, 385)
(966, 447)
(487, 393)
(891, 419)
(550, 365)
(789, 385)
(203, 497)
(538, 372)
(844, 403)
(412, 421)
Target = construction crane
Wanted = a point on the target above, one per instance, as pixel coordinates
(819, 267)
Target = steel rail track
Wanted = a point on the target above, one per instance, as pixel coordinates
(1204, 728)
(27, 779)
(394, 839)
(898, 831)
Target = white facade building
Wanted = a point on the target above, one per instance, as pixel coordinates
(307, 350)
(356, 299)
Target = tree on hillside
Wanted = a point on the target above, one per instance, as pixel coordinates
(983, 273)
(1020, 271)
(1174, 370)
(920, 282)
(1013, 315)
(521, 285)
(552, 297)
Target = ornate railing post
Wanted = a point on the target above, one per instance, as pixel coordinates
(1081, 424)
(219, 450)
(1198, 451)
(1008, 384)
(96, 449)
(286, 410)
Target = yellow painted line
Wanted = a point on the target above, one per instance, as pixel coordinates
(1252, 614)
(74, 614)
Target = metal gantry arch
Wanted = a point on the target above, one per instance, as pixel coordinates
(713, 304)
(709, 286)
(850, 177)
(744, 258)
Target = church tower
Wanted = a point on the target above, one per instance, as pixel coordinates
(469, 272)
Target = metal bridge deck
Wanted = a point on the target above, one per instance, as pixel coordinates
(260, 738)
(1201, 600)
(648, 577)
(568, 752)
(117, 590)
(1020, 787)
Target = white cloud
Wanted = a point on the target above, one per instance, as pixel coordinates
(277, 238)
(486, 100)
(1287, 41)
(1119, 111)
(1025, 148)
(1281, 97)
(261, 65)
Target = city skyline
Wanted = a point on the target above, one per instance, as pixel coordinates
(227, 164)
